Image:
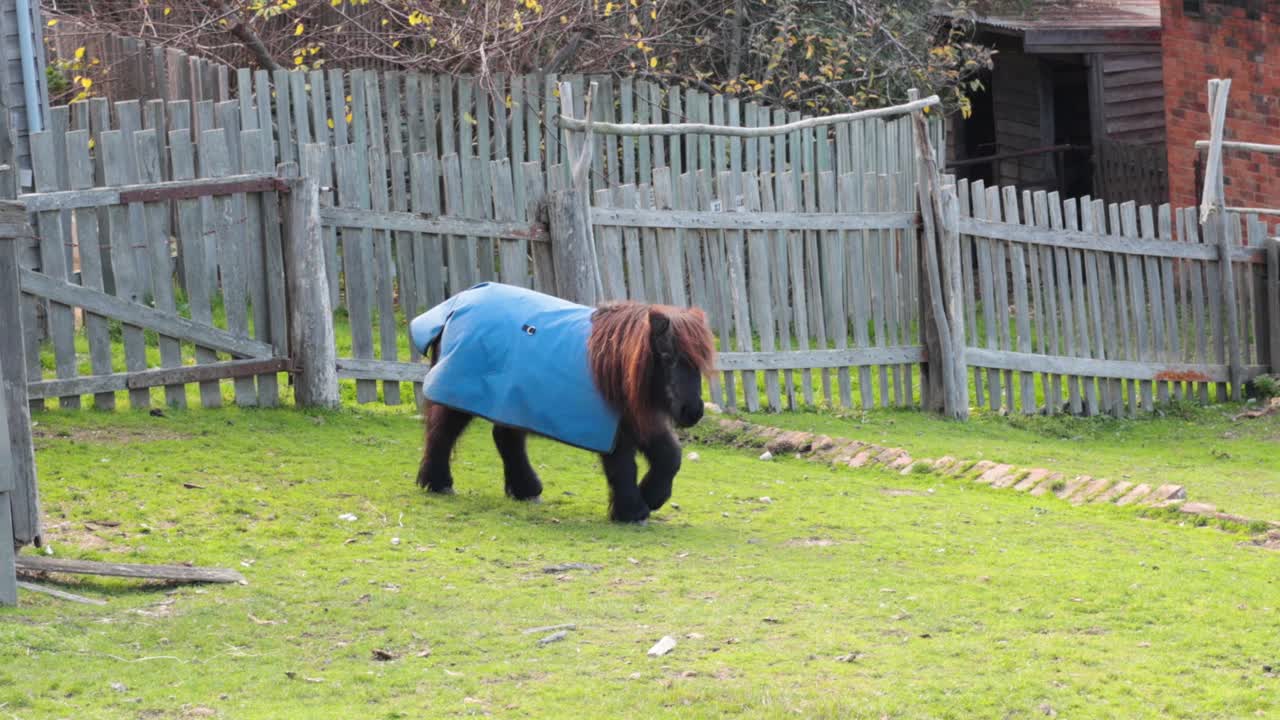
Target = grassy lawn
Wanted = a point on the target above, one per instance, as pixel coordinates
(846, 594)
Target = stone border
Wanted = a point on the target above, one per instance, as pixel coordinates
(842, 452)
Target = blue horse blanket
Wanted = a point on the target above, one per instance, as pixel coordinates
(518, 358)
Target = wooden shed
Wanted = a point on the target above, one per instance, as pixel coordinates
(1074, 103)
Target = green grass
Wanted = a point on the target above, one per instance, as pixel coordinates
(1233, 464)
(944, 599)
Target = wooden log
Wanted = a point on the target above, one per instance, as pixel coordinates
(311, 334)
(176, 573)
(719, 130)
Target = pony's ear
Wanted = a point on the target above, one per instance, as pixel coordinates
(661, 334)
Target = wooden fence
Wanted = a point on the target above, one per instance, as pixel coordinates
(805, 245)
(224, 229)
(428, 185)
(1083, 307)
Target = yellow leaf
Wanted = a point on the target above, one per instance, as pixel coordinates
(168, 10)
(91, 143)
(469, 118)
(348, 118)
(86, 83)
(79, 54)
(395, 44)
(808, 53)
(653, 62)
(52, 23)
(297, 60)
(335, 3)
(298, 30)
(330, 123)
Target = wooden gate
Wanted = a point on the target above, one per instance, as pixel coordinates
(153, 283)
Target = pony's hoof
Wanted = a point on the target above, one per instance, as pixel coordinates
(443, 491)
(534, 500)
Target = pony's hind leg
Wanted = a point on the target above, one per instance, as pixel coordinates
(663, 454)
(626, 504)
(444, 426)
(521, 480)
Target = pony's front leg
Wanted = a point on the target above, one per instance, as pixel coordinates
(626, 504)
(663, 454)
(444, 426)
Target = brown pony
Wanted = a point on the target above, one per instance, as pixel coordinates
(647, 362)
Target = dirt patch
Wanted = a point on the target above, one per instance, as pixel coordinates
(83, 536)
(1269, 541)
(111, 436)
(901, 492)
(810, 542)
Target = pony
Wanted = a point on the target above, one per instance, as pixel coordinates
(614, 379)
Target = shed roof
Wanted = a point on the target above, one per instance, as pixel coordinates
(1079, 15)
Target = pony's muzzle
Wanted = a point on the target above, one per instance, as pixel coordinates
(689, 415)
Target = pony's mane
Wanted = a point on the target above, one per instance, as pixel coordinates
(621, 354)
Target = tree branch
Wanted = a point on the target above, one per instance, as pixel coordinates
(246, 35)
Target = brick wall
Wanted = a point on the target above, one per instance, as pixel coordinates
(1226, 41)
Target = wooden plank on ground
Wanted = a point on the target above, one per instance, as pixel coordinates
(175, 573)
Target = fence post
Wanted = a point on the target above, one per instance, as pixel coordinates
(1213, 215)
(312, 345)
(8, 576)
(949, 234)
(947, 391)
(1273, 301)
(570, 222)
(573, 250)
(21, 506)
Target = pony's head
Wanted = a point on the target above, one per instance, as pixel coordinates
(648, 361)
